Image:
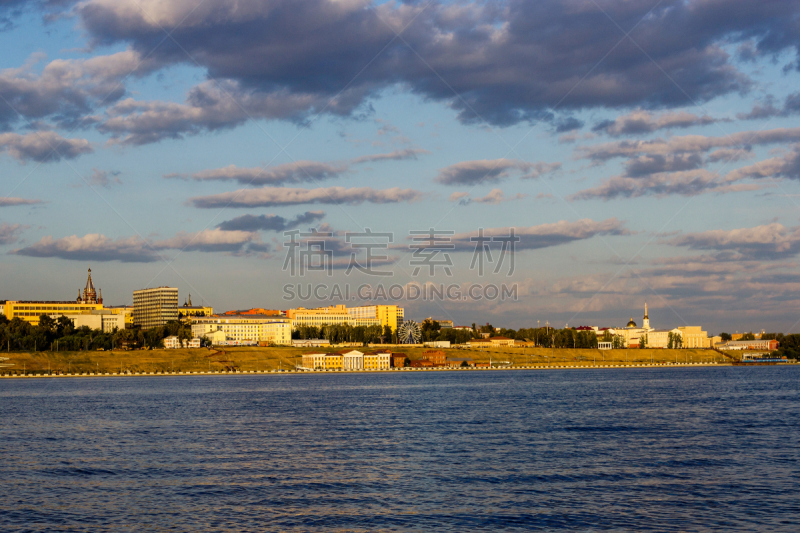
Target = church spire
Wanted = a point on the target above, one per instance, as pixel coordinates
(645, 310)
(89, 284)
(89, 292)
(646, 321)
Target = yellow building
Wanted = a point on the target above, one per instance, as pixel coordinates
(322, 316)
(492, 342)
(323, 361)
(126, 310)
(30, 311)
(377, 361)
(695, 337)
(691, 336)
(244, 329)
(384, 315)
(187, 310)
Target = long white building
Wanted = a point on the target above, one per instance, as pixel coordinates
(244, 329)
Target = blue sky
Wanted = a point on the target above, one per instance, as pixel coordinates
(642, 150)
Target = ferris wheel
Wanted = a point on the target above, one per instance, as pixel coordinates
(409, 333)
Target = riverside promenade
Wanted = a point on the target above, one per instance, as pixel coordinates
(505, 368)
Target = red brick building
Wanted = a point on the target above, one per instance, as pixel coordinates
(437, 357)
(399, 360)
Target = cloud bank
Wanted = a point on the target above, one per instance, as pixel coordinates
(270, 222)
(275, 196)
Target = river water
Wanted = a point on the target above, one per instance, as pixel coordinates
(683, 449)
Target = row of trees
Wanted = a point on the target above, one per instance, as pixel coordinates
(789, 345)
(61, 335)
(341, 333)
(751, 336)
(433, 331)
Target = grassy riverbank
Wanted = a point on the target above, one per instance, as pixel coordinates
(255, 358)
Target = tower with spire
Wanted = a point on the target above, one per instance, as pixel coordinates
(646, 319)
(90, 295)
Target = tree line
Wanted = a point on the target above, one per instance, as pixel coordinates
(60, 334)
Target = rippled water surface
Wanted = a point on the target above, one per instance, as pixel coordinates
(686, 449)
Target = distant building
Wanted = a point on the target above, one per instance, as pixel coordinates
(659, 338)
(750, 345)
(322, 316)
(694, 337)
(187, 310)
(172, 343)
(90, 295)
(323, 361)
(437, 357)
(245, 329)
(398, 360)
(377, 361)
(367, 315)
(443, 324)
(436, 344)
(492, 342)
(352, 360)
(382, 315)
(155, 307)
(691, 336)
(256, 311)
(421, 363)
(310, 343)
(31, 310)
(454, 361)
(125, 310)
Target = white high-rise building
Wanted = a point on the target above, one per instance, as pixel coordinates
(155, 307)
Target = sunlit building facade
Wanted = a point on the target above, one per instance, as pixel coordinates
(245, 329)
(322, 316)
(155, 307)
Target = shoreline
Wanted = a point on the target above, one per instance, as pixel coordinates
(393, 370)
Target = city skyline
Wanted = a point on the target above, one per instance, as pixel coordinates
(639, 153)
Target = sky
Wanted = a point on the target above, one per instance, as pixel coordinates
(609, 153)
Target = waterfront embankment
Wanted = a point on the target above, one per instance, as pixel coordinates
(249, 360)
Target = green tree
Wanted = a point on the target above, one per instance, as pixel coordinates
(618, 342)
(430, 329)
(47, 324)
(725, 336)
(64, 326)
